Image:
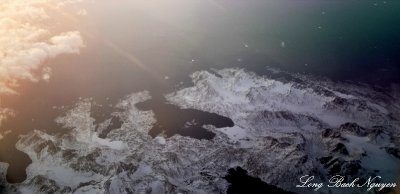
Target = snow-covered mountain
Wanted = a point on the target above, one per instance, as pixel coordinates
(286, 126)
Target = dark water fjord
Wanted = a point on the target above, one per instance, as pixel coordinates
(356, 40)
(172, 120)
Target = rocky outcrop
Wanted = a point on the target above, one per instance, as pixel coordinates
(283, 130)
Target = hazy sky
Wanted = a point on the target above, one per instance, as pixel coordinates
(331, 38)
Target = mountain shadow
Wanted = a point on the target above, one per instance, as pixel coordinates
(242, 183)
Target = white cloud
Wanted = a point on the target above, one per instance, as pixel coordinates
(46, 73)
(5, 113)
(81, 12)
(26, 43)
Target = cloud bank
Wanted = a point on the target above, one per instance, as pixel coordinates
(26, 42)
